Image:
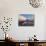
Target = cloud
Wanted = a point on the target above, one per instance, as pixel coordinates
(22, 18)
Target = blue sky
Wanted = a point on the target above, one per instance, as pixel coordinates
(28, 16)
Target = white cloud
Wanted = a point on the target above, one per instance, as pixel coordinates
(22, 18)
